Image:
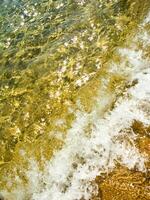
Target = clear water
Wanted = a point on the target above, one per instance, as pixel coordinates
(73, 79)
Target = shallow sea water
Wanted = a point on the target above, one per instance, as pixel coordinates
(74, 99)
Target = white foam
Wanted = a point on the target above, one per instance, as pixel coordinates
(92, 155)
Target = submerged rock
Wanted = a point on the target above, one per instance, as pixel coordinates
(1, 197)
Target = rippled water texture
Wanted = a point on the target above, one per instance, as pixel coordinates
(74, 99)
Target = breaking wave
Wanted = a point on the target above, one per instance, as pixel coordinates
(97, 141)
